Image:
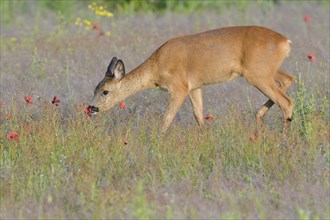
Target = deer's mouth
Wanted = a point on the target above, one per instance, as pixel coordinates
(93, 109)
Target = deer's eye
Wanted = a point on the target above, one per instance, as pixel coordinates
(105, 92)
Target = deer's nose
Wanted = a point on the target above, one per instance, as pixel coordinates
(93, 109)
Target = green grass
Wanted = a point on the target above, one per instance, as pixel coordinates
(76, 167)
(10, 8)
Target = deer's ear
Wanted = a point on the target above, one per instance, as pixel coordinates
(116, 69)
(111, 67)
(119, 70)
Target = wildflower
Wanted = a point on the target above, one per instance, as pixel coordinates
(307, 18)
(122, 105)
(96, 26)
(78, 22)
(109, 14)
(56, 101)
(13, 39)
(9, 116)
(107, 33)
(12, 136)
(88, 24)
(208, 117)
(100, 13)
(93, 6)
(311, 57)
(28, 100)
(88, 111)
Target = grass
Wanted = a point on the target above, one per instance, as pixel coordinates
(53, 172)
(117, 165)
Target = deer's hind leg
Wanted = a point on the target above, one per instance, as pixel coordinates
(276, 94)
(284, 81)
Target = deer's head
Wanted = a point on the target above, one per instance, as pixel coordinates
(107, 92)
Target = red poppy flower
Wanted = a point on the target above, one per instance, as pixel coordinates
(96, 26)
(311, 57)
(122, 105)
(28, 100)
(208, 117)
(12, 136)
(9, 116)
(307, 18)
(88, 111)
(56, 101)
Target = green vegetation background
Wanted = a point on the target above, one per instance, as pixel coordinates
(10, 8)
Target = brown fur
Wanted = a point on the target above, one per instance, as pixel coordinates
(184, 64)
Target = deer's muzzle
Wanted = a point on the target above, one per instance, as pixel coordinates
(93, 109)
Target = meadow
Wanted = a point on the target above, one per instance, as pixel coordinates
(59, 162)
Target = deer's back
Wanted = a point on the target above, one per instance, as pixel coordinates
(219, 55)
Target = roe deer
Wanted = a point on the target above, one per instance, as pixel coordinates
(184, 64)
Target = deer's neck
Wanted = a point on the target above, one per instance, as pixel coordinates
(141, 78)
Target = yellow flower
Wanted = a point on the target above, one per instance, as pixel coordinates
(87, 22)
(93, 6)
(108, 33)
(78, 22)
(101, 13)
(13, 39)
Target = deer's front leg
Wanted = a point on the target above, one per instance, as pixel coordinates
(175, 101)
(197, 104)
